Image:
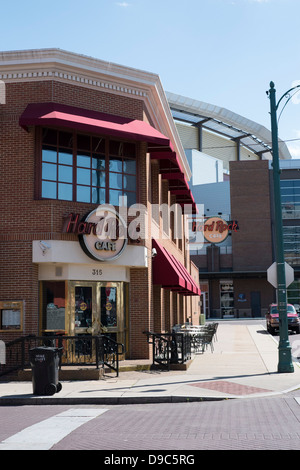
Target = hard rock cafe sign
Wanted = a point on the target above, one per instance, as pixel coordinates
(215, 229)
(102, 233)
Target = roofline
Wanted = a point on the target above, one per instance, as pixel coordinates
(59, 64)
(191, 105)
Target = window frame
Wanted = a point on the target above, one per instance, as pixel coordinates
(75, 152)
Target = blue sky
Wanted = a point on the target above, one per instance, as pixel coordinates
(224, 52)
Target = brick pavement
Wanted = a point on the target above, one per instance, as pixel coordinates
(259, 424)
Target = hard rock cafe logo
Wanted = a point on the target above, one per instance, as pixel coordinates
(215, 229)
(102, 233)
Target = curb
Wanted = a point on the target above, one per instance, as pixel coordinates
(15, 401)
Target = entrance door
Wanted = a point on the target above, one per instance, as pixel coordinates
(84, 307)
(97, 307)
(255, 304)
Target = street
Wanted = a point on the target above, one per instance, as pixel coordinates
(158, 433)
(238, 424)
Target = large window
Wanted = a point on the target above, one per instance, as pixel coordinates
(290, 198)
(291, 245)
(84, 168)
(293, 294)
(53, 306)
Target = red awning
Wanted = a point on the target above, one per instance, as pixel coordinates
(60, 115)
(171, 274)
(192, 287)
(171, 170)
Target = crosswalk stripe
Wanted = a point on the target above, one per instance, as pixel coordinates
(46, 433)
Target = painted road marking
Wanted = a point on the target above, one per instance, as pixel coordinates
(43, 435)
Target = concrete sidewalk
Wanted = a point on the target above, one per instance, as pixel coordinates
(243, 364)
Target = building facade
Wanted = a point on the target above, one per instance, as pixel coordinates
(233, 273)
(290, 200)
(92, 168)
(231, 182)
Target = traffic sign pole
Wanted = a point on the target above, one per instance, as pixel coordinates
(285, 363)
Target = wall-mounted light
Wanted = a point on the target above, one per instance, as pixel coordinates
(44, 247)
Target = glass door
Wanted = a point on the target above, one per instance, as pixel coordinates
(112, 312)
(84, 306)
(97, 308)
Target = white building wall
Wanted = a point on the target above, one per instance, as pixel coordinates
(205, 169)
(213, 145)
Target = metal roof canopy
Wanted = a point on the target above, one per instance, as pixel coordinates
(251, 135)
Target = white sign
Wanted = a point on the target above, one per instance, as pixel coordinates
(272, 274)
(106, 238)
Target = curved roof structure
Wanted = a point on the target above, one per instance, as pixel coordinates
(251, 135)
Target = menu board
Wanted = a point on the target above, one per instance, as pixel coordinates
(11, 313)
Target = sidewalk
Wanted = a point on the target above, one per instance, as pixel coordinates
(243, 364)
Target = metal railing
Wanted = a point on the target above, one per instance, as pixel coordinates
(78, 350)
(169, 348)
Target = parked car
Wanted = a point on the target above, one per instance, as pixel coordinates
(272, 319)
(297, 307)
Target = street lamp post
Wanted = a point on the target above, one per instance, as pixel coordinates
(285, 363)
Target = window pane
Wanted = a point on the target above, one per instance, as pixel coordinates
(84, 160)
(114, 197)
(129, 149)
(53, 305)
(131, 198)
(49, 171)
(83, 194)
(98, 144)
(49, 190)
(109, 306)
(115, 147)
(83, 317)
(65, 192)
(98, 195)
(115, 180)
(66, 139)
(49, 137)
(49, 155)
(115, 164)
(65, 157)
(65, 174)
(98, 178)
(130, 166)
(83, 176)
(83, 142)
(98, 163)
(129, 182)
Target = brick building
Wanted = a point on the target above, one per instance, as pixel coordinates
(78, 134)
(234, 281)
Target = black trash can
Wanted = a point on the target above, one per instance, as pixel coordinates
(45, 366)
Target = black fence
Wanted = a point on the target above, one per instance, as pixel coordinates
(177, 347)
(169, 348)
(98, 351)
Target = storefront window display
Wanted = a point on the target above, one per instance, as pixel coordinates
(53, 306)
